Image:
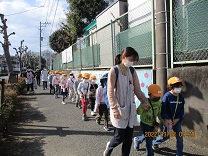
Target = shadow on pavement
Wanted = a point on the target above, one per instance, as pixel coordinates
(12, 144)
(167, 151)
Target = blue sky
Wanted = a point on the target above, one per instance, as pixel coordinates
(26, 24)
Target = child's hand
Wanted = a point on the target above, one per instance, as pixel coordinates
(145, 106)
(117, 115)
(175, 122)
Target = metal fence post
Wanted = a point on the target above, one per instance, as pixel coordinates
(93, 59)
(112, 42)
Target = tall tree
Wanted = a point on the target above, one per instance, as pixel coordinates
(83, 12)
(60, 40)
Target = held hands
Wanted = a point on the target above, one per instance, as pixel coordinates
(117, 115)
(175, 122)
(145, 106)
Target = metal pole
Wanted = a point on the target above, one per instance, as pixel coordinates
(171, 32)
(40, 47)
(153, 42)
(112, 43)
(161, 65)
(93, 58)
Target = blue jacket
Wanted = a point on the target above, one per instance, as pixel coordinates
(169, 104)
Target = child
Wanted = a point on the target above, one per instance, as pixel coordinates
(93, 88)
(29, 79)
(55, 84)
(173, 110)
(76, 83)
(84, 90)
(148, 117)
(50, 78)
(70, 86)
(63, 84)
(101, 105)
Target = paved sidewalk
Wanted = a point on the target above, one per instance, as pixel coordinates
(42, 126)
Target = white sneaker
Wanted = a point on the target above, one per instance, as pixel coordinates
(63, 103)
(92, 113)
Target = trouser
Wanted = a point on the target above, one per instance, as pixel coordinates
(65, 94)
(44, 84)
(56, 89)
(92, 102)
(103, 109)
(84, 105)
(121, 136)
(30, 86)
(71, 95)
(38, 80)
(146, 128)
(77, 99)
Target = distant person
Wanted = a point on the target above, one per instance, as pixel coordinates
(64, 89)
(122, 84)
(92, 97)
(37, 75)
(173, 111)
(70, 83)
(102, 105)
(84, 91)
(55, 84)
(29, 79)
(44, 74)
(77, 97)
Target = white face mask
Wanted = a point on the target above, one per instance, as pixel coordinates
(86, 80)
(71, 77)
(177, 90)
(128, 63)
(93, 80)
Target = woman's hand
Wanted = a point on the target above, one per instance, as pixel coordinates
(117, 115)
(145, 106)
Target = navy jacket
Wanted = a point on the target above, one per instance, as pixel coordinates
(169, 104)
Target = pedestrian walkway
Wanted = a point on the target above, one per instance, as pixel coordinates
(43, 126)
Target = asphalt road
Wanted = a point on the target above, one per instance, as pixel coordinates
(42, 126)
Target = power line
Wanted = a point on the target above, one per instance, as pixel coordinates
(54, 16)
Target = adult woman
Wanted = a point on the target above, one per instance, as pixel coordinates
(121, 88)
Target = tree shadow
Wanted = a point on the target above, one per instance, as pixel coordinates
(11, 144)
(190, 120)
(170, 152)
(191, 90)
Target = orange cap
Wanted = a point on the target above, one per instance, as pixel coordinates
(155, 90)
(173, 80)
(79, 75)
(86, 76)
(92, 77)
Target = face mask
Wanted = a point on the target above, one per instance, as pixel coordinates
(71, 77)
(93, 80)
(128, 63)
(156, 99)
(177, 90)
(86, 80)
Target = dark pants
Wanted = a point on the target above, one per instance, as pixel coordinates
(92, 101)
(146, 128)
(103, 109)
(121, 136)
(30, 86)
(38, 81)
(44, 84)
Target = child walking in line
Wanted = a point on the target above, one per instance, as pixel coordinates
(55, 84)
(101, 105)
(93, 88)
(173, 111)
(84, 91)
(148, 122)
(64, 90)
(77, 97)
(70, 83)
(50, 79)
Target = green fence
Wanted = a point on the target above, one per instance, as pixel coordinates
(190, 31)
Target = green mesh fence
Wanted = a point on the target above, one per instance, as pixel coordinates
(190, 30)
(100, 48)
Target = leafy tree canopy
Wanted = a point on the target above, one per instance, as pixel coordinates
(60, 40)
(83, 12)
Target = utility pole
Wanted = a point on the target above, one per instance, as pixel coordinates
(41, 39)
(5, 46)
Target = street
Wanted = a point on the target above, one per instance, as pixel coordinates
(42, 126)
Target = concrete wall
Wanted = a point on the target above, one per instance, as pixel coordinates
(195, 92)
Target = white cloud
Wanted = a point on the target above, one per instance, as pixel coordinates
(26, 25)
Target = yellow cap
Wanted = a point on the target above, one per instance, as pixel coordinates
(173, 80)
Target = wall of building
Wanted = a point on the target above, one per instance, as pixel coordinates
(195, 92)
